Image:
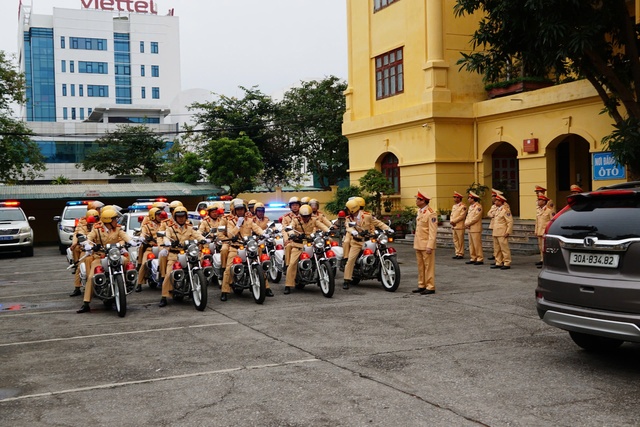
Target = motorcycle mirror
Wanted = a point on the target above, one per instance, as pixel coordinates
(352, 224)
(161, 234)
(81, 238)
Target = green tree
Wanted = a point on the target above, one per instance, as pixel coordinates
(20, 157)
(376, 184)
(129, 150)
(597, 40)
(250, 116)
(183, 164)
(310, 116)
(233, 162)
(60, 180)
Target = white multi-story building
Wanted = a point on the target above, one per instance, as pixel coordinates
(91, 69)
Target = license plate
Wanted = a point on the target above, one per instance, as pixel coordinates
(594, 260)
(6, 237)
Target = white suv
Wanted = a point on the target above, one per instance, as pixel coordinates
(15, 232)
(67, 222)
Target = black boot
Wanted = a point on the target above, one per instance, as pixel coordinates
(346, 284)
(287, 290)
(269, 292)
(138, 288)
(75, 292)
(343, 263)
(223, 296)
(163, 302)
(85, 308)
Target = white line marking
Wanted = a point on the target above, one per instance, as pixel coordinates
(80, 337)
(152, 380)
(28, 295)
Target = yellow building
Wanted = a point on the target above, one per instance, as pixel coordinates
(412, 114)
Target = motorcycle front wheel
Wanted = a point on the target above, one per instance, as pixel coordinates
(258, 284)
(326, 280)
(120, 296)
(274, 274)
(199, 290)
(390, 274)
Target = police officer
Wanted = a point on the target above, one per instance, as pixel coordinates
(473, 224)
(237, 226)
(176, 229)
(303, 225)
(305, 200)
(491, 214)
(458, 215)
(543, 216)
(541, 190)
(575, 189)
(294, 206)
(108, 231)
(502, 229)
(252, 207)
(424, 244)
(84, 227)
(263, 222)
(315, 205)
(364, 222)
(149, 237)
(346, 242)
(162, 261)
(209, 224)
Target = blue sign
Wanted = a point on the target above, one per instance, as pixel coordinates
(605, 167)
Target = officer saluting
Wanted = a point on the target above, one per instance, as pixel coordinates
(425, 245)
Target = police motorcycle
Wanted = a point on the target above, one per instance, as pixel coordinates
(248, 268)
(377, 260)
(274, 244)
(313, 265)
(153, 276)
(114, 277)
(187, 275)
(212, 260)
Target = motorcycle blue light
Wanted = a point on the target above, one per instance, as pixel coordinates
(276, 205)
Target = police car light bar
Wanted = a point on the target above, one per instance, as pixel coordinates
(140, 207)
(213, 198)
(276, 205)
(157, 199)
(10, 203)
(79, 202)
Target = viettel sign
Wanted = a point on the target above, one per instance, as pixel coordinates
(137, 6)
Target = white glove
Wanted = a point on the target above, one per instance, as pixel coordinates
(208, 240)
(240, 221)
(134, 243)
(164, 252)
(354, 233)
(390, 231)
(87, 247)
(123, 251)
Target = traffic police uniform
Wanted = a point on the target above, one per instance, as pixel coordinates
(424, 244)
(541, 190)
(473, 223)
(458, 215)
(543, 216)
(148, 234)
(502, 229)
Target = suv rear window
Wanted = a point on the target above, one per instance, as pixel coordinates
(610, 217)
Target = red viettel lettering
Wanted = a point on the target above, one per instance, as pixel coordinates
(135, 6)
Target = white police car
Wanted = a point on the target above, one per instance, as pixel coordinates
(72, 211)
(15, 232)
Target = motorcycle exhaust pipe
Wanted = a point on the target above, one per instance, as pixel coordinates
(304, 265)
(368, 260)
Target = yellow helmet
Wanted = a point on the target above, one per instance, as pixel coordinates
(237, 204)
(314, 202)
(180, 210)
(152, 213)
(252, 203)
(159, 205)
(305, 210)
(305, 200)
(294, 199)
(353, 206)
(92, 212)
(95, 205)
(108, 214)
(360, 201)
(175, 204)
(258, 205)
(215, 205)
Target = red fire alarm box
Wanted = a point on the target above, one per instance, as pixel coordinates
(530, 145)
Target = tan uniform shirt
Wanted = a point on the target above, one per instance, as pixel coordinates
(148, 233)
(101, 235)
(209, 226)
(543, 216)
(474, 217)
(322, 218)
(426, 229)
(306, 228)
(492, 214)
(81, 228)
(176, 232)
(247, 228)
(458, 215)
(503, 224)
(262, 223)
(366, 222)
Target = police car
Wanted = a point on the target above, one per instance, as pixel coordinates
(15, 232)
(72, 211)
(225, 200)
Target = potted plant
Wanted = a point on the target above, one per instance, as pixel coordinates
(443, 215)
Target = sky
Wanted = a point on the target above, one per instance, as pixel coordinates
(273, 44)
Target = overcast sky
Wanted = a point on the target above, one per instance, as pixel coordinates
(226, 43)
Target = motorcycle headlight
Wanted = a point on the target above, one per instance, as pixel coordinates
(192, 251)
(319, 243)
(252, 246)
(383, 239)
(114, 254)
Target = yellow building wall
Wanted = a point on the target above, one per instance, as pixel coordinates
(442, 128)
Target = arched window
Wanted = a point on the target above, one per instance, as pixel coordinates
(391, 170)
